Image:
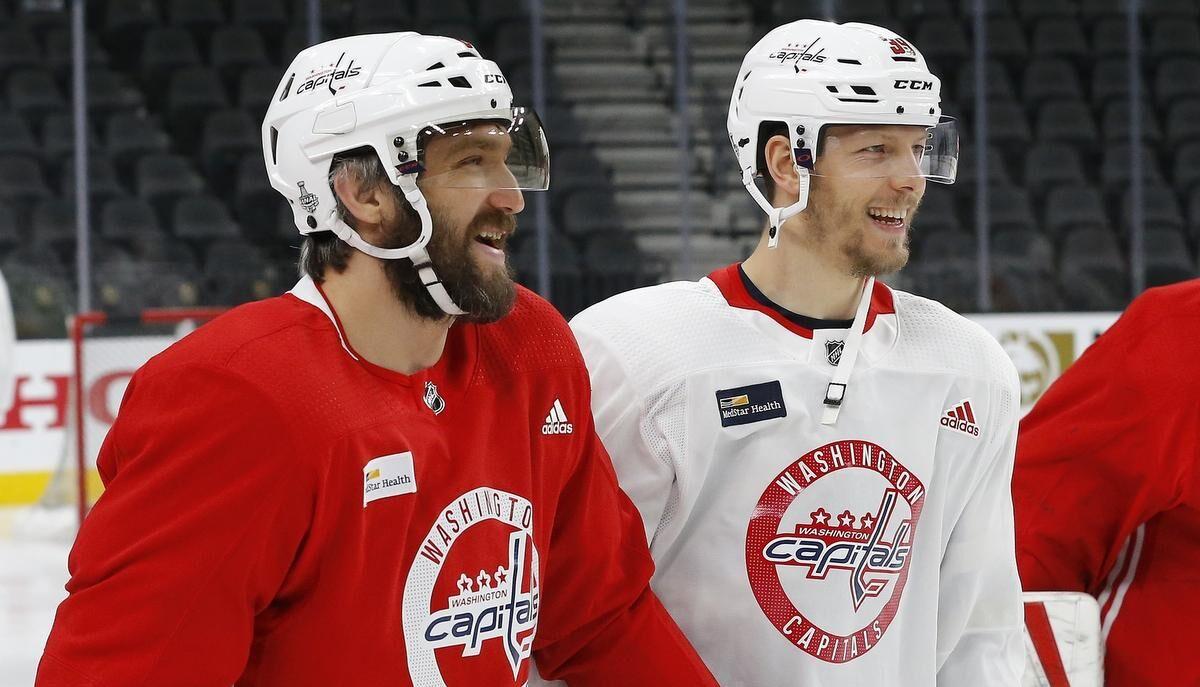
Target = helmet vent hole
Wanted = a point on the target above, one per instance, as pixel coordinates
(274, 145)
(435, 65)
(904, 59)
(846, 61)
(863, 90)
(459, 82)
(430, 84)
(832, 89)
(287, 89)
(467, 54)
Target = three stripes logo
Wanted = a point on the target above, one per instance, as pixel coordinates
(556, 421)
(961, 418)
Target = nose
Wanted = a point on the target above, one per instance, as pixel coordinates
(508, 200)
(908, 182)
(906, 174)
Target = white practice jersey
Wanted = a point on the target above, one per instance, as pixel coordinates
(877, 551)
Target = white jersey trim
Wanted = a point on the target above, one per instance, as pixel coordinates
(1126, 579)
(307, 291)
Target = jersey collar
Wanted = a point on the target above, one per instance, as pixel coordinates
(729, 282)
(311, 293)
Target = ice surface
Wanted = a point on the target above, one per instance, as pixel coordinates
(34, 544)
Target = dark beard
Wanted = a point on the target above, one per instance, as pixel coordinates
(484, 298)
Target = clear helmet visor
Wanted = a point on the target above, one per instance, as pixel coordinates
(886, 151)
(486, 153)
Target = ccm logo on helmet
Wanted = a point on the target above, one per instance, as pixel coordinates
(493, 78)
(912, 85)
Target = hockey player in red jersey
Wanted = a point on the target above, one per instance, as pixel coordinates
(1107, 488)
(390, 475)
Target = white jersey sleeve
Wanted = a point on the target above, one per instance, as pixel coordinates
(980, 627)
(646, 473)
(8, 344)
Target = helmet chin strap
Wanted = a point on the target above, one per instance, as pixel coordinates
(777, 216)
(420, 256)
(415, 251)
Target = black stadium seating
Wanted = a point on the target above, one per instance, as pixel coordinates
(177, 90)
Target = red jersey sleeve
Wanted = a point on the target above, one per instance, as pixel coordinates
(204, 509)
(1111, 444)
(611, 629)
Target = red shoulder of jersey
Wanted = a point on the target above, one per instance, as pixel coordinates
(1175, 302)
(534, 337)
(282, 346)
(287, 325)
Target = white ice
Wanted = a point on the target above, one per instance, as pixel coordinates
(33, 571)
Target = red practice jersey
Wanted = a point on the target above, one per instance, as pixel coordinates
(1107, 488)
(280, 511)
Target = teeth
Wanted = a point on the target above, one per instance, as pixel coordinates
(888, 212)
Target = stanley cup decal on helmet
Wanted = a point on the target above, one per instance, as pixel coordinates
(390, 92)
(308, 201)
(810, 74)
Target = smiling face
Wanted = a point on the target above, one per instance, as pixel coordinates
(467, 176)
(473, 206)
(865, 192)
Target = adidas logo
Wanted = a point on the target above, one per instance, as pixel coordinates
(556, 421)
(961, 418)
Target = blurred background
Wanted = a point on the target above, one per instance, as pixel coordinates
(1079, 183)
(131, 178)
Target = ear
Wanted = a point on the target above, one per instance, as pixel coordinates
(781, 166)
(370, 207)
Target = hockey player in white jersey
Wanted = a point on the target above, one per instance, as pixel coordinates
(822, 462)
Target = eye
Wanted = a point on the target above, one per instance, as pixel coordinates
(873, 149)
(468, 161)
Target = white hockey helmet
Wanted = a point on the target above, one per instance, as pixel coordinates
(809, 74)
(389, 92)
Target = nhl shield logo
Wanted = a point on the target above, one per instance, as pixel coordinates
(433, 399)
(833, 351)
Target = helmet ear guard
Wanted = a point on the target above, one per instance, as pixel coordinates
(802, 163)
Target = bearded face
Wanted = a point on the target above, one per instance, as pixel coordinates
(468, 256)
